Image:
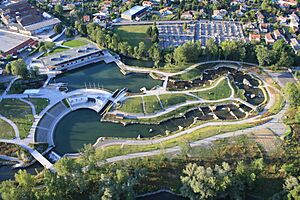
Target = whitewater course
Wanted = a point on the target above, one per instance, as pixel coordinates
(88, 106)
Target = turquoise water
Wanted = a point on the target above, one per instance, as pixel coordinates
(107, 76)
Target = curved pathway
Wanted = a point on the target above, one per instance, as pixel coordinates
(168, 74)
(8, 87)
(31, 105)
(15, 127)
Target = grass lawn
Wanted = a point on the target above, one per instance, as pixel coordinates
(39, 103)
(133, 35)
(6, 130)
(151, 104)
(55, 50)
(221, 91)
(279, 102)
(132, 105)
(173, 99)
(19, 112)
(74, 43)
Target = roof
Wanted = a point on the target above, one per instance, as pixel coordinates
(9, 40)
(134, 10)
(67, 55)
(23, 12)
(42, 24)
(268, 36)
(254, 36)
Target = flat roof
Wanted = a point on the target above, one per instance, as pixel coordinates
(10, 40)
(42, 24)
(69, 54)
(134, 10)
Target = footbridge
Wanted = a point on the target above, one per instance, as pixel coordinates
(35, 154)
(115, 97)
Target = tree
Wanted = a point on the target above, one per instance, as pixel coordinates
(24, 179)
(141, 50)
(228, 48)
(8, 68)
(185, 26)
(149, 31)
(262, 55)
(292, 91)
(285, 60)
(204, 183)
(212, 48)
(58, 9)
(58, 28)
(18, 68)
(292, 188)
(69, 32)
(188, 52)
(199, 182)
(155, 53)
(169, 58)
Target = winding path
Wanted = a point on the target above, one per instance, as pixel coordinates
(14, 126)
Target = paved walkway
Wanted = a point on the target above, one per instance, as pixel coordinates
(31, 105)
(37, 155)
(8, 87)
(15, 127)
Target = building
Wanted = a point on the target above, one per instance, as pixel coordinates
(27, 19)
(70, 59)
(188, 15)
(277, 34)
(287, 3)
(254, 37)
(269, 38)
(295, 45)
(147, 3)
(263, 27)
(134, 13)
(219, 14)
(13, 43)
(166, 11)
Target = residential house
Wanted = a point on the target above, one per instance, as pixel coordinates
(188, 15)
(295, 45)
(282, 20)
(287, 3)
(219, 14)
(260, 17)
(166, 11)
(147, 3)
(86, 18)
(269, 38)
(254, 37)
(277, 34)
(263, 27)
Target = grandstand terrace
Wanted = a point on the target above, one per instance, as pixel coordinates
(48, 122)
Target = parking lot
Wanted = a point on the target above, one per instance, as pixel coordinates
(172, 35)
